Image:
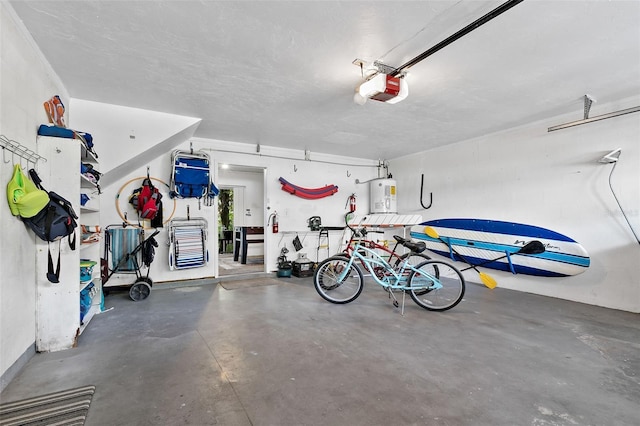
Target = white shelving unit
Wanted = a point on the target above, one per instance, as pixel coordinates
(58, 323)
(90, 250)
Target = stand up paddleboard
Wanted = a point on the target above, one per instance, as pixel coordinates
(493, 244)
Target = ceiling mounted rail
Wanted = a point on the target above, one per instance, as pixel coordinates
(596, 118)
(466, 30)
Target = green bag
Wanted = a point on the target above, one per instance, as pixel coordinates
(25, 199)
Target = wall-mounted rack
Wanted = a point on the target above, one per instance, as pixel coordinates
(588, 101)
(16, 148)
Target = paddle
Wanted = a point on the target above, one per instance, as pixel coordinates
(486, 279)
(532, 247)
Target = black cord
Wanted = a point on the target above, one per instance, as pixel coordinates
(617, 201)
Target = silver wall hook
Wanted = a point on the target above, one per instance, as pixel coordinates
(18, 149)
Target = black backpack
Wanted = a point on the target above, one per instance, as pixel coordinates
(54, 222)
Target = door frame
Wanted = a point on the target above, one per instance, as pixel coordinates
(239, 208)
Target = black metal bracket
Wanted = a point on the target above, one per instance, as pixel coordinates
(421, 194)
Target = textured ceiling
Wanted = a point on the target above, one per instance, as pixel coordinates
(281, 74)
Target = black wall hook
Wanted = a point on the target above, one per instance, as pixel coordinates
(421, 193)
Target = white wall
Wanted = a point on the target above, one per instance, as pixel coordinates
(114, 202)
(114, 126)
(125, 138)
(263, 196)
(26, 82)
(155, 134)
(549, 179)
(293, 212)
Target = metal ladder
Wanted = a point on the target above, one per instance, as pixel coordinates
(323, 243)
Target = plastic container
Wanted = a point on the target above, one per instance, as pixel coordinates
(86, 270)
(284, 271)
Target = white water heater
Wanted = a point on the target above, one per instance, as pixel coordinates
(382, 196)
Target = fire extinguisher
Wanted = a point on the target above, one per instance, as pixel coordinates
(351, 202)
(274, 222)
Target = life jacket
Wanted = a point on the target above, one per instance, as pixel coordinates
(145, 199)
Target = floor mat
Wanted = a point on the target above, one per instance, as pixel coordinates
(69, 407)
(236, 285)
(227, 266)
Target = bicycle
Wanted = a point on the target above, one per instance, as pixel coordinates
(434, 285)
(414, 256)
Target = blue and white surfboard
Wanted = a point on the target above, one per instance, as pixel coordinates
(481, 240)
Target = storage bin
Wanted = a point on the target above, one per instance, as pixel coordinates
(86, 297)
(86, 270)
(284, 271)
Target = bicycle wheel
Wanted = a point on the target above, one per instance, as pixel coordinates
(414, 259)
(334, 283)
(436, 285)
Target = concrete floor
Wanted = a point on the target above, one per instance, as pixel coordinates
(272, 352)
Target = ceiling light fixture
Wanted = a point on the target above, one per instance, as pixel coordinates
(379, 84)
(384, 88)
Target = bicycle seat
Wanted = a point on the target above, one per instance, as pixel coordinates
(399, 239)
(416, 247)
